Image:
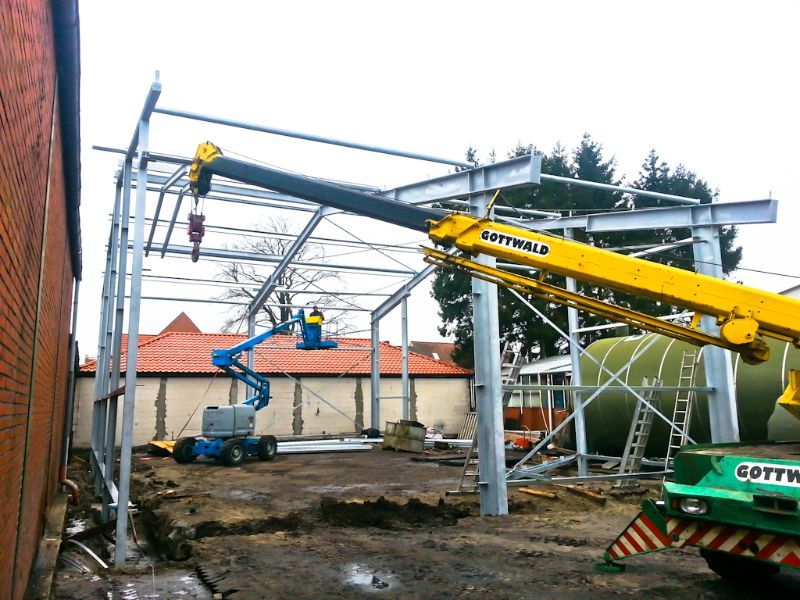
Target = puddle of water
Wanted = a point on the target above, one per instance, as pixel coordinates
(369, 579)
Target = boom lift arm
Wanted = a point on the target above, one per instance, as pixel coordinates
(744, 314)
(229, 360)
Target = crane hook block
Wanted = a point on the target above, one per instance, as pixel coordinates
(196, 231)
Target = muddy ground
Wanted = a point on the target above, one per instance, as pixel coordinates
(376, 524)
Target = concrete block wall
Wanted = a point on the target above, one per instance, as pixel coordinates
(35, 285)
(166, 405)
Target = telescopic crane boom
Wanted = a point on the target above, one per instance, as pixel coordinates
(744, 314)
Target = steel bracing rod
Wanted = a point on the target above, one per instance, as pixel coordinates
(360, 426)
(543, 442)
(309, 137)
(602, 367)
(171, 226)
(123, 493)
(603, 387)
(179, 172)
(286, 260)
(676, 316)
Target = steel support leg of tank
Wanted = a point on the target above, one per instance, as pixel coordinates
(488, 385)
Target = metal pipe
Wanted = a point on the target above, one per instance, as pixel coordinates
(309, 137)
(175, 212)
(619, 188)
(179, 172)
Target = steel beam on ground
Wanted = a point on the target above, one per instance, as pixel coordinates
(488, 397)
(233, 255)
(309, 137)
(129, 402)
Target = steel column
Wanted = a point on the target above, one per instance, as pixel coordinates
(404, 350)
(133, 340)
(375, 373)
(575, 358)
(488, 395)
(722, 411)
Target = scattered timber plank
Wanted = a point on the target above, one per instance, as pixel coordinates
(540, 493)
(594, 497)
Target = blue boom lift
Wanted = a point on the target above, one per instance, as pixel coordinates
(228, 430)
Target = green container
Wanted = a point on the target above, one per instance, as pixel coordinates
(758, 387)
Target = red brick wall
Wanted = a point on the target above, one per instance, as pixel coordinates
(35, 286)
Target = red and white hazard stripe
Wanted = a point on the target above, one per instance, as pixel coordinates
(643, 536)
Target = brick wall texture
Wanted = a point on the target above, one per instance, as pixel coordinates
(35, 286)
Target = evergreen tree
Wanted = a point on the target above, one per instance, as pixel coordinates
(518, 323)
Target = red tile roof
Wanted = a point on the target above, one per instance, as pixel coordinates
(181, 323)
(441, 351)
(190, 353)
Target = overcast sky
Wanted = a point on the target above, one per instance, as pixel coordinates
(712, 85)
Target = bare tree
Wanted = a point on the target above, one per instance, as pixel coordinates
(246, 279)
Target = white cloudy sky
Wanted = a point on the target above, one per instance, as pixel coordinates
(712, 85)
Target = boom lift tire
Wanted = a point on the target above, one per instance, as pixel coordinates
(232, 453)
(738, 569)
(267, 447)
(182, 451)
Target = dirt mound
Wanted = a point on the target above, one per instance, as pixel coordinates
(385, 514)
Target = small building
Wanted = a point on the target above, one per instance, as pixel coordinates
(313, 391)
(540, 409)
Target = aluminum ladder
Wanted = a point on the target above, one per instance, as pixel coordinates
(639, 434)
(684, 402)
(510, 366)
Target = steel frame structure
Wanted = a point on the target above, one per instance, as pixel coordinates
(469, 188)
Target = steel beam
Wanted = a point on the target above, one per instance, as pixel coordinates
(488, 396)
(510, 174)
(308, 137)
(405, 387)
(618, 188)
(575, 358)
(720, 214)
(722, 409)
(167, 184)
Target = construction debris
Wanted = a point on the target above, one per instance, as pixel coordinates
(539, 493)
